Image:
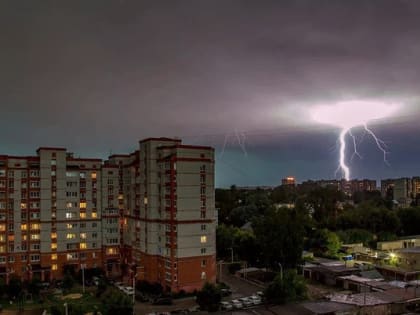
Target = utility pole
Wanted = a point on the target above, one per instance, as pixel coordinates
(83, 277)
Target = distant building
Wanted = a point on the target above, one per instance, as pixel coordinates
(403, 191)
(288, 181)
(348, 187)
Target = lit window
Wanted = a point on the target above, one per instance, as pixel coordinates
(35, 226)
(83, 205)
(54, 267)
(35, 237)
(111, 251)
(203, 239)
(53, 235)
(83, 236)
(23, 227)
(93, 175)
(203, 275)
(83, 246)
(23, 205)
(70, 215)
(82, 215)
(69, 205)
(53, 245)
(145, 200)
(53, 256)
(70, 236)
(94, 215)
(24, 237)
(2, 227)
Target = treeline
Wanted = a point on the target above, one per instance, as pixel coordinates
(263, 228)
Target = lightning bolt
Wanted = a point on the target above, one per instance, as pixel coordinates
(342, 139)
(379, 143)
(343, 166)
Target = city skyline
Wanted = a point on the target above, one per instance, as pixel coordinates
(237, 76)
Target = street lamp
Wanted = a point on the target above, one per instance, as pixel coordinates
(66, 311)
(134, 291)
(281, 271)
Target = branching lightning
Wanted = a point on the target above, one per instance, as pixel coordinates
(349, 115)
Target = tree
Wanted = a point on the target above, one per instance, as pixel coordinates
(14, 288)
(280, 234)
(209, 297)
(286, 287)
(410, 221)
(68, 281)
(116, 302)
(34, 286)
(325, 243)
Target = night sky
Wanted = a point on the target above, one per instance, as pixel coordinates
(96, 76)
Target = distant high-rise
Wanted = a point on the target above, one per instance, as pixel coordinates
(152, 210)
(288, 181)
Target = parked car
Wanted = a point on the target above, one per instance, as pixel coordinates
(128, 290)
(237, 304)
(256, 299)
(119, 285)
(163, 301)
(225, 292)
(246, 302)
(226, 306)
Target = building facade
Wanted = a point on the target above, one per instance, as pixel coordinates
(149, 214)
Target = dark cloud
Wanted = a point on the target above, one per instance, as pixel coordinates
(98, 75)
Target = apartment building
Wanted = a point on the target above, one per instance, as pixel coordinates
(169, 213)
(151, 211)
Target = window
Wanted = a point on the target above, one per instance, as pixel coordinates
(23, 227)
(53, 235)
(203, 250)
(202, 178)
(72, 256)
(53, 246)
(203, 227)
(203, 275)
(203, 263)
(111, 251)
(35, 247)
(35, 257)
(35, 237)
(82, 205)
(202, 168)
(203, 239)
(71, 174)
(93, 175)
(70, 236)
(54, 267)
(83, 236)
(53, 162)
(70, 215)
(2, 227)
(203, 190)
(34, 173)
(34, 194)
(35, 215)
(82, 175)
(94, 235)
(83, 245)
(82, 215)
(35, 226)
(11, 173)
(94, 215)
(54, 256)
(23, 205)
(34, 184)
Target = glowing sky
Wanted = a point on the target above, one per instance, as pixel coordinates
(96, 76)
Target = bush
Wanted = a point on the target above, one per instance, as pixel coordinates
(209, 298)
(287, 288)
